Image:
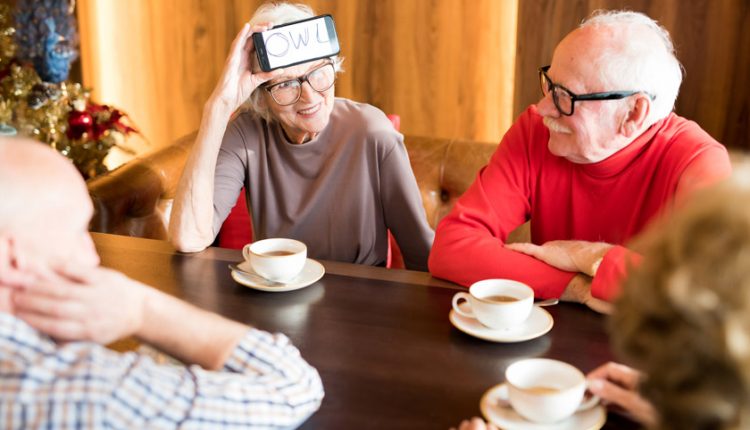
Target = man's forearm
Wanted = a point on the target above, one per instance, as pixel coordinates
(189, 334)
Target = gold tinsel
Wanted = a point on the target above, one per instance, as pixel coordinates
(41, 110)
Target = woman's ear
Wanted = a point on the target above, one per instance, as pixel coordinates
(636, 116)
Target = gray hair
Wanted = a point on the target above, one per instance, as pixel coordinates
(637, 63)
(279, 13)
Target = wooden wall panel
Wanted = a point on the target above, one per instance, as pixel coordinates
(710, 43)
(445, 66)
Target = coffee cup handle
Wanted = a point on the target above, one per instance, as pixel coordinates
(246, 252)
(589, 403)
(457, 309)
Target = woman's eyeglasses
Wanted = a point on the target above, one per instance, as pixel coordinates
(288, 92)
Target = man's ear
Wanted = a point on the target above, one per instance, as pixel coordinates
(12, 272)
(7, 250)
(636, 117)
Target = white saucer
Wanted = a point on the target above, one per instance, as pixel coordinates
(310, 274)
(538, 323)
(495, 409)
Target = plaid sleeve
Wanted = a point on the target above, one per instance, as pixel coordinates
(265, 383)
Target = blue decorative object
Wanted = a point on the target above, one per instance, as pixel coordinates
(6, 130)
(46, 37)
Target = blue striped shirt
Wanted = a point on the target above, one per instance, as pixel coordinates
(264, 384)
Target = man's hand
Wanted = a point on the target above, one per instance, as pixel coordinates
(579, 291)
(618, 384)
(93, 304)
(569, 255)
(572, 256)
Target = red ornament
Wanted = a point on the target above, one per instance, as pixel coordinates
(79, 123)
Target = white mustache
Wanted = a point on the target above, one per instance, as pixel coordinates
(555, 126)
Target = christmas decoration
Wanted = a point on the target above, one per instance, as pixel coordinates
(46, 37)
(38, 101)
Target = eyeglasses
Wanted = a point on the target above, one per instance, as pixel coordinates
(565, 99)
(288, 92)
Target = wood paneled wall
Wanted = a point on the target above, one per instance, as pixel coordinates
(712, 43)
(450, 68)
(445, 66)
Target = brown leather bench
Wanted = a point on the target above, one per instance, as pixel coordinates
(136, 199)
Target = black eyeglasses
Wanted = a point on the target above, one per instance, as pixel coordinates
(565, 99)
(288, 92)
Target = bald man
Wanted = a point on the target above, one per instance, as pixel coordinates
(598, 158)
(57, 307)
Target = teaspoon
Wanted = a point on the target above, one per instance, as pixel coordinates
(253, 276)
(548, 302)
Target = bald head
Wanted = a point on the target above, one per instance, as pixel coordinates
(624, 51)
(44, 206)
(34, 180)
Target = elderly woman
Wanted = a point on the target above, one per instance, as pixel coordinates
(330, 172)
(683, 320)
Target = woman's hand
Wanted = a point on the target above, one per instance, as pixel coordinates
(237, 80)
(618, 384)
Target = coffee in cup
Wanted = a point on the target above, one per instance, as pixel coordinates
(497, 303)
(277, 259)
(546, 391)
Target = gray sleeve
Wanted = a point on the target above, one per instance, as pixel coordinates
(229, 176)
(402, 203)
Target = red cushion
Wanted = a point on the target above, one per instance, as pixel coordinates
(237, 231)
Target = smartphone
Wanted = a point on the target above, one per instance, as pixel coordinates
(296, 42)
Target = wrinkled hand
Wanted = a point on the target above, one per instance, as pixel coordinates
(617, 384)
(579, 291)
(93, 304)
(569, 255)
(237, 80)
(475, 424)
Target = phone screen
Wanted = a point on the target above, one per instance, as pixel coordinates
(297, 42)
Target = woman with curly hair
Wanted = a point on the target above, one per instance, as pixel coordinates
(684, 318)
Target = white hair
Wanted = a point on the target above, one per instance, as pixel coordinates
(637, 63)
(279, 13)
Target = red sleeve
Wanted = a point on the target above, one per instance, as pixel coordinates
(612, 272)
(706, 169)
(469, 241)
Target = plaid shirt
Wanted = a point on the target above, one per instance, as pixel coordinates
(82, 385)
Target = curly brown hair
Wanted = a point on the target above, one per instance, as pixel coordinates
(684, 314)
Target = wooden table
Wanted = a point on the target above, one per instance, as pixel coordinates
(381, 339)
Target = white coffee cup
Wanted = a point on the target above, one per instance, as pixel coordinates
(278, 259)
(497, 303)
(546, 391)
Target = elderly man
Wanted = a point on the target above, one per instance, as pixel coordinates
(57, 307)
(596, 160)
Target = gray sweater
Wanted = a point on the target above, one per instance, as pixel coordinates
(338, 193)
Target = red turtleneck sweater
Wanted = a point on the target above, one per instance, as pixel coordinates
(609, 201)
